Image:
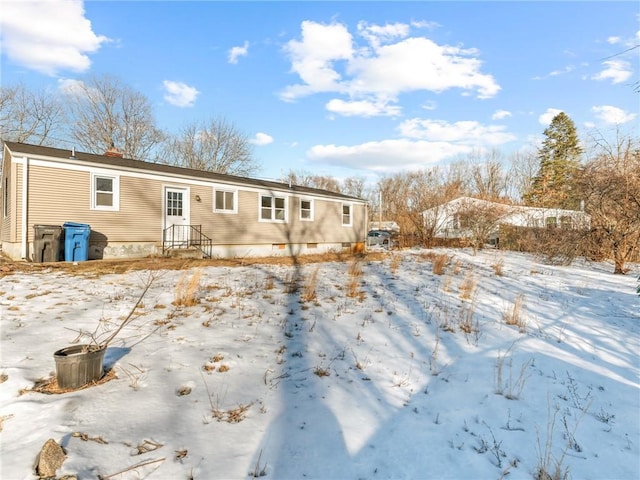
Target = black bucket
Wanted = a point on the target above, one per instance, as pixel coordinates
(78, 365)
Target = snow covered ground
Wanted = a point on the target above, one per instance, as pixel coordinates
(382, 370)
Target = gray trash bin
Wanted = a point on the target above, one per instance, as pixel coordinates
(46, 243)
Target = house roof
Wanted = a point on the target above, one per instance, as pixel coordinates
(131, 164)
(511, 208)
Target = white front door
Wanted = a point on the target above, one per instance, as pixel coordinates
(176, 212)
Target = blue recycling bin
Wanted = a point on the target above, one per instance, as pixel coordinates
(76, 241)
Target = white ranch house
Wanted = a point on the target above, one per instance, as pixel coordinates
(448, 222)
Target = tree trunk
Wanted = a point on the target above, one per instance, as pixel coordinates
(619, 261)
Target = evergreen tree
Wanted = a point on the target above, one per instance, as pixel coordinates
(553, 186)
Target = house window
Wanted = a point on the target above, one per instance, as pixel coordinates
(306, 210)
(346, 214)
(225, 201)
(551, 222)
(174, 204)
(273, 208)
(105, 192)
(566, 222)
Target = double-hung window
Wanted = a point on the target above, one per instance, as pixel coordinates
(306, 209)
(225, 201)
(273, 208)
(347, 214)
(105, 192)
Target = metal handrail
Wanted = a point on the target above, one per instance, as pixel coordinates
(186, 236)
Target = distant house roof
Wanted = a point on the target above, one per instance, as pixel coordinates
(386, 226)
(468, 201)
(130, 164)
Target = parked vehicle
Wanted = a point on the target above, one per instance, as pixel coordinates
(379, 237)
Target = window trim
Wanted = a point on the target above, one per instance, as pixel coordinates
(350, 205)
(311, 210)
(273, 208)
(115, 204)
(228, 211)
(5, 198)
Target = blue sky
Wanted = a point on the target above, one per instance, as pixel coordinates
(354, 88)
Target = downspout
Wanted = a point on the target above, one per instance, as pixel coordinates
(25, 194)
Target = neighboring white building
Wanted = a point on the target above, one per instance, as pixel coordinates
(448, 220)
(391, 227)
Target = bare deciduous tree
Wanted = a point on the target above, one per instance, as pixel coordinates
(610, 185)
(214, 146)
(28, 116)
(306, 179)
(522, 171)
(480, 219)
(106, 112)
(489, 178)
(354, 186)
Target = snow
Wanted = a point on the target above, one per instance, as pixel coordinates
(380, 384)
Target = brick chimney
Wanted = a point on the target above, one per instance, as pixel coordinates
(112, 151)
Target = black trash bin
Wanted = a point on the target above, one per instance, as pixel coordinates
(46, 243)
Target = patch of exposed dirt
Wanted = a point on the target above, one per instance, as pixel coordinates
(102, 267)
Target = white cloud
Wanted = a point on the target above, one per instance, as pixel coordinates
(613, 40)
(426, 142)
(48, 36)
(613, 115)
(463, 132)
(617, 71)
(312, 58)
(378, 34)
(328, 59)
(386, 156)
(430, 105)
(261, 139)
(500, 114)
(562, 71)
(70, 86)
(362, 108)
(236, 52)
(546, 117)
(180, 94)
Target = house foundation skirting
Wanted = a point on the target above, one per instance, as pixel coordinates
(116, 250)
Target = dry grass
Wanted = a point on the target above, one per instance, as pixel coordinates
(395, 263)
(232, 415)
(269, 282)
(187, 290)
(468, 286)
(467, 321)
(321, 372)
(111, 266)
(3, 418)
(50, 386)
(514, 315)
(440, 262)
(498, 267)
(309, 289)
(355, 276)
(511, 386)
